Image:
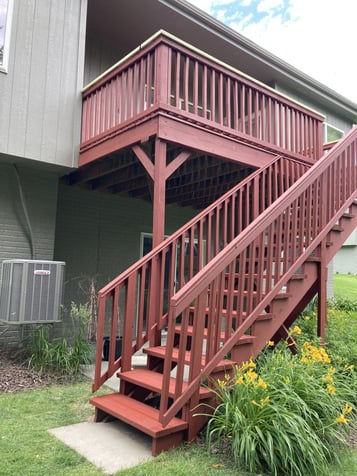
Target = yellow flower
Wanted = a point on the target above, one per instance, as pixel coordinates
(296, 330)
(248, 365)
(331, 389)
(331, 370)
(328, 378)
(341, 419)
(270, 343)
(251, 375)
(347, 409)
(221, 383)
(255, 403)
(307, 318)
(265, 400)
(240, 380)
(261, 383)
(349, 367)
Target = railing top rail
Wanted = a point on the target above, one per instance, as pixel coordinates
(201, 280)
(163, 35)
(123, 276)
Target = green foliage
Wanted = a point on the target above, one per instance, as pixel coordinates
(64, 356)
(345, 285)
(285, 414)
(341, 303)
(27, 448)
(341, 330)
(58, 356)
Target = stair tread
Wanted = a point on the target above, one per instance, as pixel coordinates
(137, 414)
(160, 351)
(153, 381)
(190, 331)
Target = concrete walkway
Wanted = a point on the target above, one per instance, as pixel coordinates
(110, 446)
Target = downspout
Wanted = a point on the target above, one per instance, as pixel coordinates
(26, 214)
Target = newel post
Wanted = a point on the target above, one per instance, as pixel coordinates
(322, 264)
(162, 74)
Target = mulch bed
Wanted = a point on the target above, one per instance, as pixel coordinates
(16, 376)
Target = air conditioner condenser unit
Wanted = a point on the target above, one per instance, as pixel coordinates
(31, 291)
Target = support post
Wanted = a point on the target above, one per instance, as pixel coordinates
(158, 235)
(158, 223)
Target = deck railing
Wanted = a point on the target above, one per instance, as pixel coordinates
(252, 269)
(138, 298)
(168, 75)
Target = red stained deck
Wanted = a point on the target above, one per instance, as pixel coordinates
(239, 273)
(175, 92)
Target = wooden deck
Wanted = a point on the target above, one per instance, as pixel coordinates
(179, 94)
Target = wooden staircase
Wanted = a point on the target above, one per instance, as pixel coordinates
(259, 262)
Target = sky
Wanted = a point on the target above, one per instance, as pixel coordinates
(319, 37)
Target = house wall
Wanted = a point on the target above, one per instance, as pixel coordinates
(99, 57)
(346, 259)
(40, 99)
(98, 236)
(331, 116)
(37, 192)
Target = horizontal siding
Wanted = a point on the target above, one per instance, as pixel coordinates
(40, 95)
(40, 193)
(330, 115)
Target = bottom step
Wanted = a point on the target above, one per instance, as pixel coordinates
(143, 417)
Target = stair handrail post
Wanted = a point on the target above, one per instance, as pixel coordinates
(324, 194)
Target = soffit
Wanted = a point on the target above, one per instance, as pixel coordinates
(128, 23)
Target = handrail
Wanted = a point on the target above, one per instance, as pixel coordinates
(171, 76)
(146, 287)
(261, 259)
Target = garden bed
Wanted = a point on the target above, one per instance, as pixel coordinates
(16, 375)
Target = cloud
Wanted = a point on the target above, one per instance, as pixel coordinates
(317, 37)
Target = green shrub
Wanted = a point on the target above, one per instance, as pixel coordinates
(340, 303)
(58, 356)
(341, 330)
(62, 356)
(284, 414)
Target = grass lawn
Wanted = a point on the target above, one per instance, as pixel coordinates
(27, 448)
(345, 285)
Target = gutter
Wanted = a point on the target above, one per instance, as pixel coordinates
(291, 73)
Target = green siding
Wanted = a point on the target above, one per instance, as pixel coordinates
(98, 235)
(40, 197)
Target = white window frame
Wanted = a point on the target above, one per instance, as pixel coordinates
(8, 23)
(325, 127)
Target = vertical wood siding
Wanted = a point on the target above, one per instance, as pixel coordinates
(40, 96)
(105, 228)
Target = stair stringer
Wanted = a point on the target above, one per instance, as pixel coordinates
(286, 311)
(294, 231)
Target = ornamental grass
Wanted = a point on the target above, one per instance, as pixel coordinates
(285, 414)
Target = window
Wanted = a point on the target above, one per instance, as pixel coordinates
(331, 133)
(5, 24)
